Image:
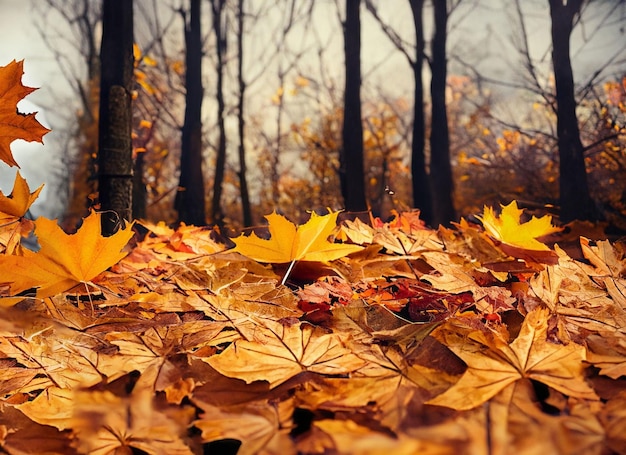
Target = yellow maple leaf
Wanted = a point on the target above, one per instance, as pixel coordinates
(493, 364)
(64, 260)
(307, 242)
(14, 125)
(508, 229)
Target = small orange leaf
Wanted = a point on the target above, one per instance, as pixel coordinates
(508, 229)
(19, 201)
(14, 125)
(308, 242)
(64, 260)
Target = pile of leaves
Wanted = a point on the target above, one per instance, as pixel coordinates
(350, 337)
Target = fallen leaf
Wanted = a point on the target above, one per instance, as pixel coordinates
(64, 260)
(280, 352)
(493, 364)
(13, 124)
(261, 427)
(348, 437)
(287, 243)
(508, 228)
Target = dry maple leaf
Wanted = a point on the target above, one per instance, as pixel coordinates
(63, 260)
(262, 427)
(508, 229)
(279, 352)
(104, 423)
(14, 125)
(493, 364)
(307, 242)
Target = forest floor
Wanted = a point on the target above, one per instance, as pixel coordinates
(387, 337)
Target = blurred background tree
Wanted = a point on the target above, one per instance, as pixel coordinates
(278, 136)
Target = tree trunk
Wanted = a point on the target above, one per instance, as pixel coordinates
(220, 162)
(421, 188)
(190, 201)
(115, 162)
(140, 191)
(243, 183)
(351, 171)
(576, 201)
(440, 167)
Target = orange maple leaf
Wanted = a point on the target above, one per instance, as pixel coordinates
(13, 124)
(288, 243)
(64, 260)
(13, 225)
(16, 204)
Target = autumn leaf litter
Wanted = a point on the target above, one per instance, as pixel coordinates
(409, 341)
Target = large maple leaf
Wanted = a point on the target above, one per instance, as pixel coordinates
(64, 260)
(13, 124)
(307, 242)
(493, 364)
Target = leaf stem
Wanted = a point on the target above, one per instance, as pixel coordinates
(288, 272)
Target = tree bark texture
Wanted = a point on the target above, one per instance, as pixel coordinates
(115, 162)
(421, 187)
(576, 202)
(140, 191)
(440, 167)
(351, 171)
(190, 202)
(220, 162)
(243, 183)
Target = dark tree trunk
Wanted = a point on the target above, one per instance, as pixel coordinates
(243, 183)
(115, 161)
(190, 203)
(351, 159)
(576, 201)
(440, 166)
(421, 188)
(220, 162)
(140, 192)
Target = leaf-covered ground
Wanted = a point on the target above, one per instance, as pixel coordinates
(424, 341)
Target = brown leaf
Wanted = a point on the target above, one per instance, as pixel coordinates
(493, 364)
(260, 426)
(278, 352)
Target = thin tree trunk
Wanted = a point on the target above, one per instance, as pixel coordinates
(220, 162)
(351, 170)
(115, 163)
(440, 166)
(190, 203)
(140, 192)
(576, 202)
(421, 188)
(243, 183)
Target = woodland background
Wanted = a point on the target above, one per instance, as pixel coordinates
(272, 87)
